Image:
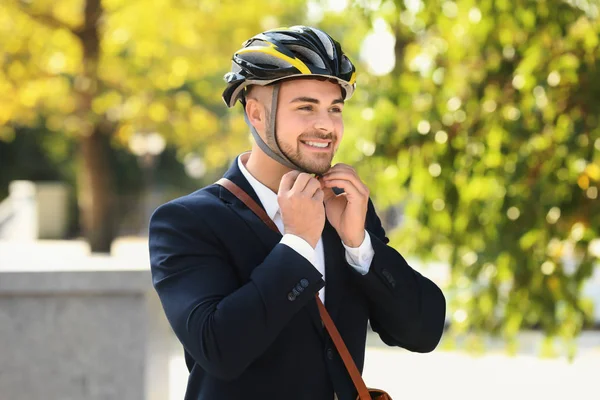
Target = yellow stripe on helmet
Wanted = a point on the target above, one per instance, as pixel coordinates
(353, 78)
(272, 51)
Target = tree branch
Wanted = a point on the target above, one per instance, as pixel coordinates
(44, 19)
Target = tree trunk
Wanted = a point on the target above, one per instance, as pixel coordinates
(96, 182)
(97, 191)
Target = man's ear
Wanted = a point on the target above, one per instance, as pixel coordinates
(256, 114)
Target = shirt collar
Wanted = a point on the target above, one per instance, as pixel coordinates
(267, 197)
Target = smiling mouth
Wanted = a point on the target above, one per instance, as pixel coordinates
(317, 144)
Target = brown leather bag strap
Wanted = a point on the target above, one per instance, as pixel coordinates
(248, 201)
(359, 384)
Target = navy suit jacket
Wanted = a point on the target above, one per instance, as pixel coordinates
(224, 281)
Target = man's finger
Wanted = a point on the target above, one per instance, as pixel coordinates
(345, 176)
(312, 186)
(301, 182)
(328, 194)
(340, 174)
(341, 167)
(341, 171)
(349, 188)
(319, 195)
(287, 181)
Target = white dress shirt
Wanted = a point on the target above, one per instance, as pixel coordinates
(358, 257)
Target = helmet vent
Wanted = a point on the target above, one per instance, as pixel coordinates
(346, 65)
(326, 42)
(257, 43)
(307, 55)
(264, 60)
(280, 36)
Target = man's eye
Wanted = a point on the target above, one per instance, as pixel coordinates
(336, 110)
(306, 108)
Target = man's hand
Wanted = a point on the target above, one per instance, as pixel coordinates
(300, 199)
(348, 211)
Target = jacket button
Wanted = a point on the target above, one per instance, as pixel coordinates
(299, 288)
(304, 283)
(330, 354)
(291, 296)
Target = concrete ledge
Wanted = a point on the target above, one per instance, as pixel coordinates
(84, 332)
(92, 282)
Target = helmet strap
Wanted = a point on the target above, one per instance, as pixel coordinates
(275, 153)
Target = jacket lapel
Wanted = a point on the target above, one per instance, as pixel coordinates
(267, 236)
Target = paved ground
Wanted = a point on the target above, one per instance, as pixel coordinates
(458, 375)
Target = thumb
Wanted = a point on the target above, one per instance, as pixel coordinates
(328, 194)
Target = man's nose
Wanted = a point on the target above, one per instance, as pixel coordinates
(324, 122)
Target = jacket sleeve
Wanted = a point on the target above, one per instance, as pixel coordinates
(225, 325)
(406, 308)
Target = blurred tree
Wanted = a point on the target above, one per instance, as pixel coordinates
(480, 119)
(486, 130)
(99, 71)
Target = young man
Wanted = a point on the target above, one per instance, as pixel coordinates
(241, 297)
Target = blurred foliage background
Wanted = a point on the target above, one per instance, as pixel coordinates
(475, 124)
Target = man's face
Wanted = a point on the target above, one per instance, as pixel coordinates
(309, 125)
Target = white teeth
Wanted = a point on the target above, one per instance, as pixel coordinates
(320, 145)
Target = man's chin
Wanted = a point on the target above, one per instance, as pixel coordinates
(316, 169)
(313, 163)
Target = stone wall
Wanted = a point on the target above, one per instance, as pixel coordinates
(82, 334)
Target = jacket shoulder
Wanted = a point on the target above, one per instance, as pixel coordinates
(201, 203)
(206, 197)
